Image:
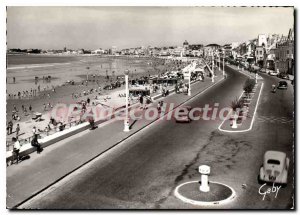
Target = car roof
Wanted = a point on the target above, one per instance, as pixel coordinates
(275, 154)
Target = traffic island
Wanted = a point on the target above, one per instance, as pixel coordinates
(219, 193)
(204, 192)
(243, 121)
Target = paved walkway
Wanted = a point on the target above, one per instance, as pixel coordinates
(58, 160)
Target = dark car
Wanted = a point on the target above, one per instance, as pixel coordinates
(283, 76)
(282, 85)
(183, 114)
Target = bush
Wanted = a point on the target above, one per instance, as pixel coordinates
(249, 85)
(235, 104)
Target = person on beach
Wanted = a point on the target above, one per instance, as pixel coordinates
(10, 127)
(17, 130)
(15, 108)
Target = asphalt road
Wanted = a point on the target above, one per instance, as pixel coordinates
(144, 171)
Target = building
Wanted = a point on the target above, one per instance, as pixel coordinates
(284, 54)
(185, 45)
(262, 40)
(260, 55)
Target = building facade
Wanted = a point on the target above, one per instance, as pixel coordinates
(284, 54)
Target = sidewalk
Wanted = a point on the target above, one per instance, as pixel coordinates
(58, 160)
(245, 72)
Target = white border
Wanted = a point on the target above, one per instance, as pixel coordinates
(253, 117)
(203, 203)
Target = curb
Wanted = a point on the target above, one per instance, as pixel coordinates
(253, 116)
(203, 203)
(111, 147)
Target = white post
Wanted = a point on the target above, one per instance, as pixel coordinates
(126, 120)
(256, 77)
(212, 69)
(219, 63)
(204, 170)
(234, 123)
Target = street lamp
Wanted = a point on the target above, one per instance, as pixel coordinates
(213, 73)
(189, 90)
(223, 64)
(219, 62)
(126, 120)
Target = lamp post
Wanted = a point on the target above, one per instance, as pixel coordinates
(189, 90)
(213, 73)
(219, 62)
(126, 120)
(223, 64)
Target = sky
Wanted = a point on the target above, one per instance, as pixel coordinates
(125, 27)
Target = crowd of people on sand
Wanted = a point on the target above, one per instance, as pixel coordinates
(55, 125)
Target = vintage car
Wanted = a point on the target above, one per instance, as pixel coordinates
(283, 75)
(275, 168)
(183, 114)
(282, 85)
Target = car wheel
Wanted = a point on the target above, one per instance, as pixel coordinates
(258, 180)
(284, 185)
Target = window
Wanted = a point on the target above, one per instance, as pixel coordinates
(260, 52)
(271, 161)
(287, 51)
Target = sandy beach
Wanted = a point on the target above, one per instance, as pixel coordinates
(77, 72)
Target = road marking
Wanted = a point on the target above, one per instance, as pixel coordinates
(253, 117)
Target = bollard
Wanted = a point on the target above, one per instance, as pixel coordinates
(204, 170)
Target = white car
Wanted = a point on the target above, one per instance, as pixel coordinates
(275, 168)
(273, 73)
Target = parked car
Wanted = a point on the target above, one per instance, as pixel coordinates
(183, 114)
(274, 168)
(273, 73)
(282, 85)
(263, 70)
(283, 75)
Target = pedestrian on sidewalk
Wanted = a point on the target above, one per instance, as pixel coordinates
(17, 130)
(34, 131)
(36, 144)
(30, 108)
(16, 149)
(141, 101)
